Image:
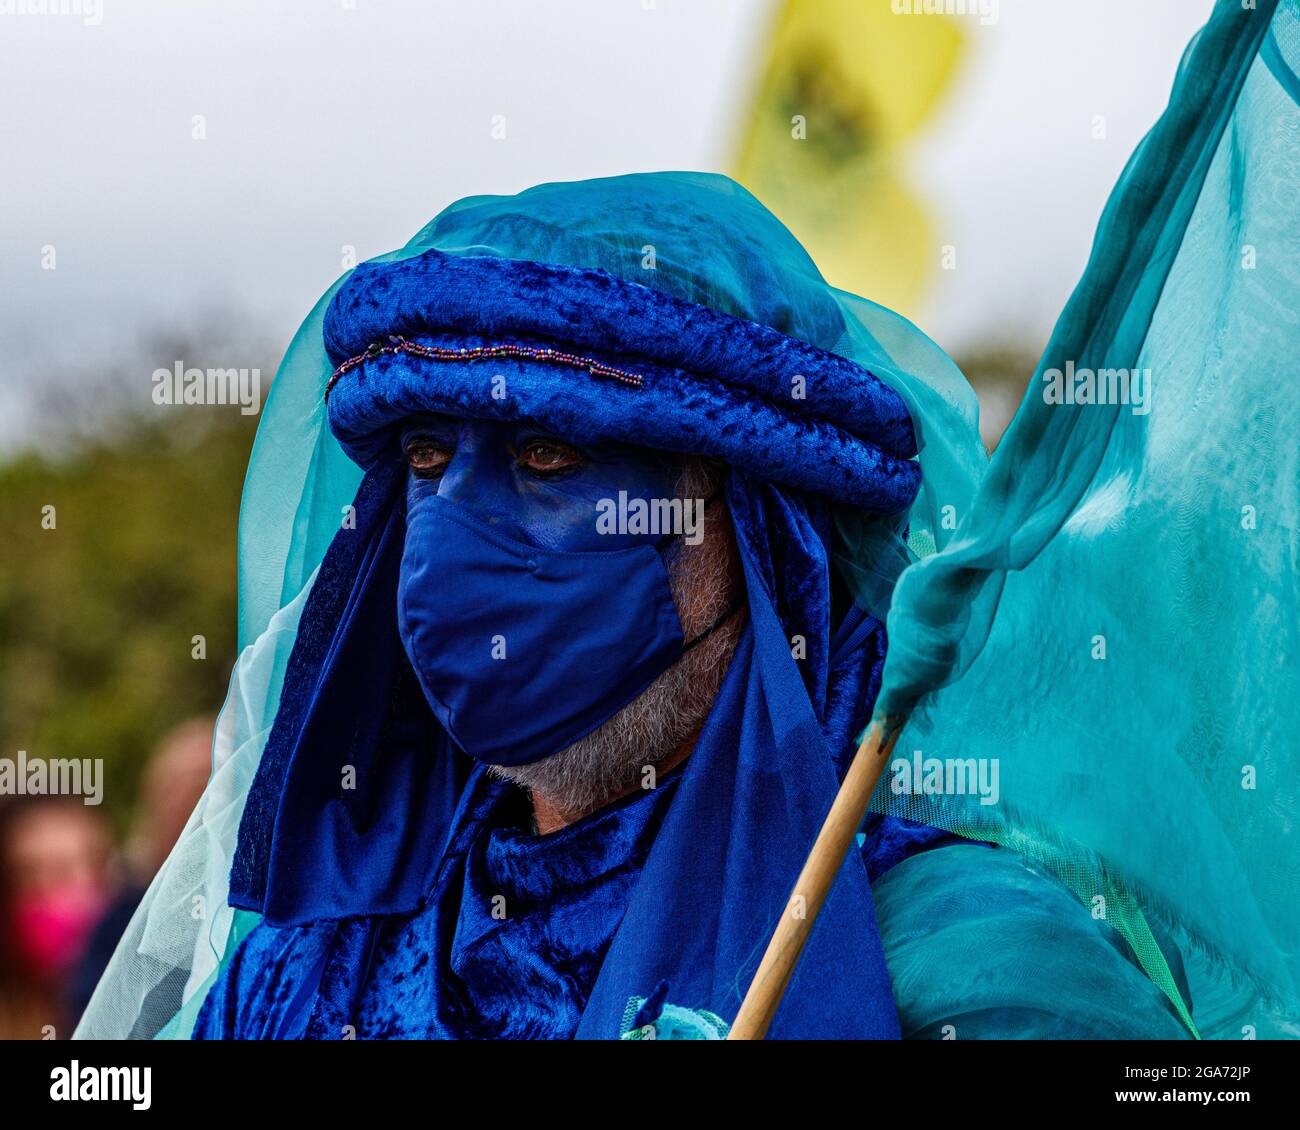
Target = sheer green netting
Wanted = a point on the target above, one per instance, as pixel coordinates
(1117, 621)
(1187, 670)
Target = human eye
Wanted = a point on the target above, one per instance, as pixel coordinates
(426, 456)
(544, 457)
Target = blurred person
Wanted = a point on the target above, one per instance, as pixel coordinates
(54, 887)
(171, 785)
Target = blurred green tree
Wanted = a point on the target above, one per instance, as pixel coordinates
(100, 607)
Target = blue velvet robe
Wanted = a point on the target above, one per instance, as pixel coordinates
(507, 946)
(510, 944)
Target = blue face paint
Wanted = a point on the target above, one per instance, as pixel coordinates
(508, 474)
(527, 621)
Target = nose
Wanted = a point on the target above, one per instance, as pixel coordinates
(478, 476)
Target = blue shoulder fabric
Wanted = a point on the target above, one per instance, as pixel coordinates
(981, 945)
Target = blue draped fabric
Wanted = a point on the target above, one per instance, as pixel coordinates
(506, 946)
(1117, 621)
(983, 944)
(350, 705)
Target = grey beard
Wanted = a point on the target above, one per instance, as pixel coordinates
(612, 760)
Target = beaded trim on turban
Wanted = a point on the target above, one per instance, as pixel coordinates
(597, 358)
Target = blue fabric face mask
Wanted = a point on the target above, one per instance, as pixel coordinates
(522, 650)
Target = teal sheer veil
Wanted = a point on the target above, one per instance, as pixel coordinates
(1117, 621)
(1117, 773)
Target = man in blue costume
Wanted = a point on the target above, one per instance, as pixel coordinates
(577, 679)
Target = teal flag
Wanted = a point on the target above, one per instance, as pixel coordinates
(1113, 632)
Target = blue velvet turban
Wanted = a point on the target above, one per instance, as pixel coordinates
(595, 356)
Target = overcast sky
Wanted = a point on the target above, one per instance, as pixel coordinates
(351, 122)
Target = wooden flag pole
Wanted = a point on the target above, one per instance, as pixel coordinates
(814, 883)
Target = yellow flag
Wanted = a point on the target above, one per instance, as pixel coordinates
(845, 84)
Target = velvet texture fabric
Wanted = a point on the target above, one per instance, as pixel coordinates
(378, 905)
(713, 384)
(507, 946)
